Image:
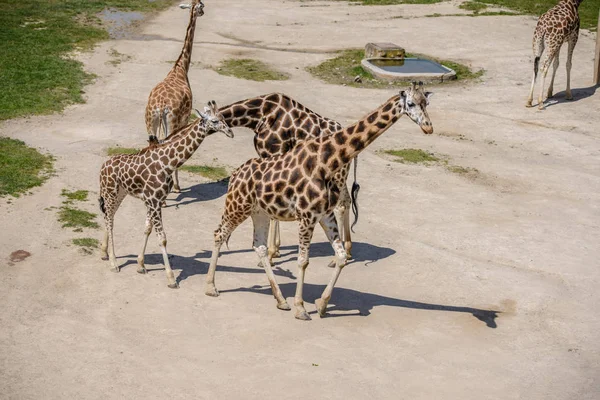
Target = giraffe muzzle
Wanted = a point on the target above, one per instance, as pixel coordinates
(427, 128)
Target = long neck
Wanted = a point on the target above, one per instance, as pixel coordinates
(181, 148)
(574, 3)
(245, 113)
(186, 53)
(356, 137)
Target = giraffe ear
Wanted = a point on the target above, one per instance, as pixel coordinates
(403, 94)
(428, 95)
(184, 6)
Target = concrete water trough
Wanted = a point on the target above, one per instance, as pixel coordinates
(387, 61)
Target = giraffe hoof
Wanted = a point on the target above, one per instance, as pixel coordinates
(302, 315)
(570, 98)
(277, 254)
(321, 307)
(212, 291)
(115, 269)
(142, 271)
(176, 190)
(173, 285)
(331, 264)
(541, 107)
(104, 258)
(284, 306)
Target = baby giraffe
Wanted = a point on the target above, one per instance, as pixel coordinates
(147, 175)
(299, 185)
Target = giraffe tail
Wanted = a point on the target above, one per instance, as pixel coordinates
(102, 206)
(354, 195)
(536, 66)
(164, 125)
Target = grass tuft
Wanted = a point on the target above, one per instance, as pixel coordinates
(74, 218)
(86, 242)
(21, 167)
(207, 171)
(346, 66)
(474, 6)
(253, 70)
(115, 151)
(78, 195)
(412, 156)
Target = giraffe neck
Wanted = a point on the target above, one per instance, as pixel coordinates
(245, 113)
(574, 3)
(184, 145)
(353, 139)
(186, 52)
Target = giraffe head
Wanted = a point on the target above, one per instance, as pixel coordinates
(414, 102)
(213, 121)
(197, 7)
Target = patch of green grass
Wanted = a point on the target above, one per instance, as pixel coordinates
(115, 151)
(207, 171)
(86, 242)
(37, 76)
(346, 66)
(474, 6)
(412, 156)
(21, 167)
(253, 70)
(74, 218)
(78, 195)
(457, 169)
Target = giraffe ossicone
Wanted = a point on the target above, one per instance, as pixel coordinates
(297, 186)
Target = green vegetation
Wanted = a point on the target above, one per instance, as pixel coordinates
(213, 173)
(253, 70)
(114, 151)
(117, 58)
(86, 242)
(474, 6)
(21, 167)
(78, 195)
(343, 69)
(418, 156)
(74, 218)
(36, 74)
(412, 156)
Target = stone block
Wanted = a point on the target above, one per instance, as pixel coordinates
(384, 50)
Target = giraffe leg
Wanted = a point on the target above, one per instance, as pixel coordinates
(330, 228)
(104, 245)
(261, 229)
(549, 57)
(155, 213)
(176, 188)
(538, 49)
(140, 260)
(572, 43)
(271, 249)
(222, 234)
(277, 254)
(111, 205)
(306, 232)
(554, 68)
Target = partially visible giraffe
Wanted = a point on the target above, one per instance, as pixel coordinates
(147, 175)
(170, 102)
(298, 185)
(279, 123)
(558, 25)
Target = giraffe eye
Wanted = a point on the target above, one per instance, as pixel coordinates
(410, 104)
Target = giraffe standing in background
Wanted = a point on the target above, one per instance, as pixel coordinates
(558, 25)
(279, 123)
(147, 175)
(170, 102)
(298, 185)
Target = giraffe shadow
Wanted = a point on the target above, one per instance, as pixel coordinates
(200, 192)
(578, 94)
(190, 266)
(344, 300)
(361, 252)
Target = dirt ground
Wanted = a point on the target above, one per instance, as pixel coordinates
(479, 287)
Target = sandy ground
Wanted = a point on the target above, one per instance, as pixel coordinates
(461, 288)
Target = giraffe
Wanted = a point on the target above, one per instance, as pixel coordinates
(147, 175)
(298, 185)
(170, 102)
(279, 123)
(558, 25)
